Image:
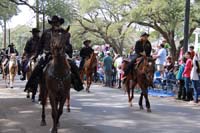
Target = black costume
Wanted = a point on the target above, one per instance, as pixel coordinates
(140, 47)
(44, 48)
(30, 50)
(84, 53)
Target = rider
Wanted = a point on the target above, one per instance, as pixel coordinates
(85, 52)
(44, 49)
(12, 50)
(142, 48)
(30, 50)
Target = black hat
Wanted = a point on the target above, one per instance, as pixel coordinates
(56, 19)
(144, 34)
(35, 30)
(87, 42)
(12, 44)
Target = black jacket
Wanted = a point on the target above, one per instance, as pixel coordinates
(31, 46)
(140, 47)
(44, 44)
(86, 51)
(11, 50)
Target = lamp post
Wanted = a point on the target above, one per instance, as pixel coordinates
(186, 25)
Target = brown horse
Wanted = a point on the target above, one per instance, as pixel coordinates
(141, 76)
(88, 69)
(57, 80)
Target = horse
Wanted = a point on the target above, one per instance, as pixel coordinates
(56, 80)
(29, 68)
(141, 76)
(10, 71)
(88, 69)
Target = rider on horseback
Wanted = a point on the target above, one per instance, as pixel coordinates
(85, 53)
(142, 48)
(11, 50)
(44, 49)
(30, 50)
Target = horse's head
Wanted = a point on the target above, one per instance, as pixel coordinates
(150, 70)
(13, 56)
(58, 43)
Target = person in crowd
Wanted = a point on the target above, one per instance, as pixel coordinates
(30, 50)
(77, 61)
(167, 46)
(186, 75)
(191, 50)
(114, 74)
(107, 63)
(160, 58)
(118, 63)
(181, 90)
(195, 73)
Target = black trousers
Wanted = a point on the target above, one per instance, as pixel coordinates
(181, 90)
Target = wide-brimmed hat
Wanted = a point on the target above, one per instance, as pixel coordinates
(144, 34)
(35, 30)
(87, 42)
(56, 19)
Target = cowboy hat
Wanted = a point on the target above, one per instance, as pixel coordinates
(55, 19)
(87, 42)
(12, 44)
(144, 34)
(35, 30)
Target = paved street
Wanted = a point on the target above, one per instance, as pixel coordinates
(104, 110)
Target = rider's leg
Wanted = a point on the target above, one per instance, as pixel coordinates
(76, 80)
(81, 64)
(36, 75)
(19, 67)
(130, 65)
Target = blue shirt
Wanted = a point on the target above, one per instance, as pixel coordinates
(107, 61)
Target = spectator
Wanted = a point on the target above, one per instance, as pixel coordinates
(160, 58)
(167, 46)
(114, 74)
(186, 75)
(107, 63)
(77, 61)
(117, 64)
(191, 49)
(195, 76)
(181, 90)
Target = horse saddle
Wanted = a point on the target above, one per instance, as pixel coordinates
(138, 61)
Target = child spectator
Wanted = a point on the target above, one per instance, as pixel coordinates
(181, 90)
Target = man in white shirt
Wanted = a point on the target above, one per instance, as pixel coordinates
(160, 58)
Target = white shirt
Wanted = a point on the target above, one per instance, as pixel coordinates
(161, 56)
(194, 75)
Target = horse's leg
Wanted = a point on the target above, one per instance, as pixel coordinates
(88, 78)
(60, 109)
(68, 102)
(140, 101)
(145, 93)
(44, 94)
(54, 113)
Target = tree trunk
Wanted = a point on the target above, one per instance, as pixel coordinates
(37, 14)
(4, 38)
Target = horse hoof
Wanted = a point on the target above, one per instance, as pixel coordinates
(149, 110)
(68, 110)
(11, 87)
(43, 123)
(27, 96)
(130, 105)
(53, 130)
(141, 108)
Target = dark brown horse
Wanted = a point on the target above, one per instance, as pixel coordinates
(142, 76)
(89, 68)
(57, 80)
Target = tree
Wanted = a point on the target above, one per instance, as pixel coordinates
(8, 10)
(105, 20)
(166, 17)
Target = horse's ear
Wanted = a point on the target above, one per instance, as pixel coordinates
(68, 28)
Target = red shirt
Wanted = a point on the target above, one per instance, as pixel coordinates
(192, 54)
(188, 68)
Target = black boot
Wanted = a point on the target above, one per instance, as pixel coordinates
(75, 77)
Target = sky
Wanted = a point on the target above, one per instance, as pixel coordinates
(26, 16)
